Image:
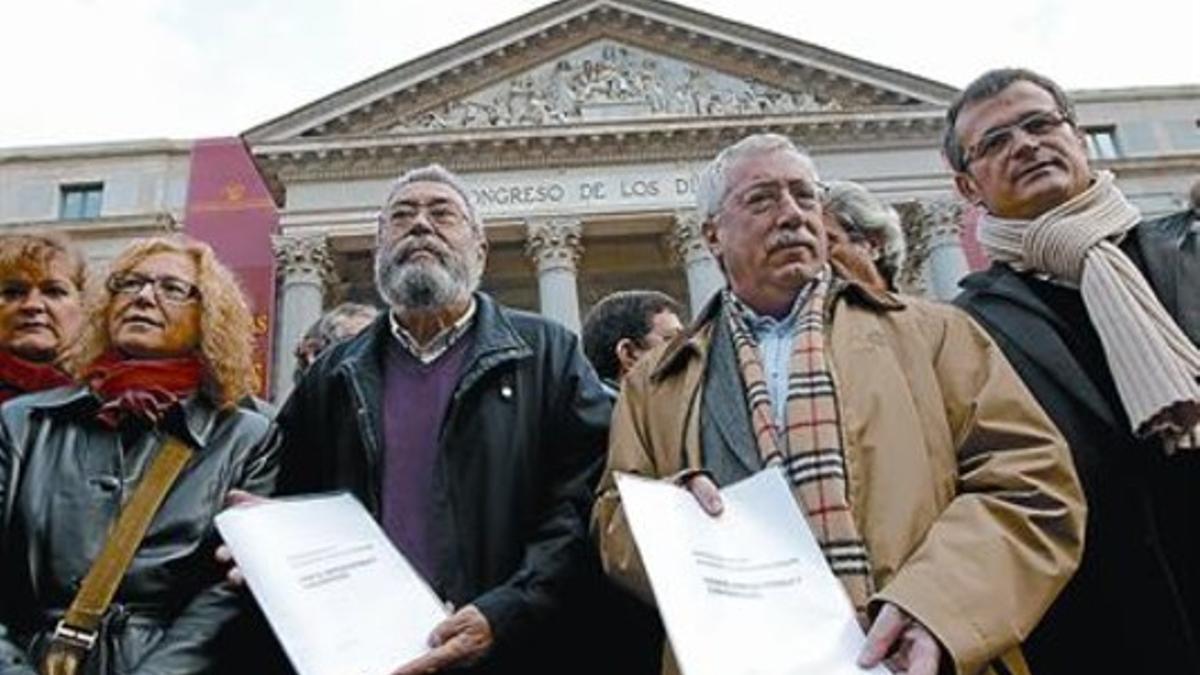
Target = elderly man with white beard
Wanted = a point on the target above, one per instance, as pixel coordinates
(473, 432)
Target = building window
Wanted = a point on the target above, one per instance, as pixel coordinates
(1102, 142)
(80, 200)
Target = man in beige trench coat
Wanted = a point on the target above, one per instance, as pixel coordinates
(943, 498)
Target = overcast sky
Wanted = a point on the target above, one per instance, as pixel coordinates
(99, 70)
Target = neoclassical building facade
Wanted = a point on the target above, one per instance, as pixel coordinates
(580, 128)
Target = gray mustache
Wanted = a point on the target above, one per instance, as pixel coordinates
(404, 249)
(790, 238)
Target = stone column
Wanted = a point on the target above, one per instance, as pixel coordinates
(554, 245)
(947, 261)
(305, 269)
(704, 277)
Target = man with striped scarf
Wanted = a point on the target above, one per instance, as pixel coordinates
(941, 494)
(1098, 309)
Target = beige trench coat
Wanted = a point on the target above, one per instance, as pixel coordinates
(961, 486)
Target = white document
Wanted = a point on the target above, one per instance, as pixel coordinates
(339, 596)
(747, 592)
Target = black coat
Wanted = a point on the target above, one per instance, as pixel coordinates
(63, 479)
(1134, 604)
(521, 449)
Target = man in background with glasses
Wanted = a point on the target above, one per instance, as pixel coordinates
(1099, 311)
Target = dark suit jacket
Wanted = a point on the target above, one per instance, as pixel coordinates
(1134, 604)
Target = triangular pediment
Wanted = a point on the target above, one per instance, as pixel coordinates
(608, 80)
(580, 61)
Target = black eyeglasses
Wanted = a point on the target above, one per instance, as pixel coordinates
(994, 141)
(168, 288)
(442, 214)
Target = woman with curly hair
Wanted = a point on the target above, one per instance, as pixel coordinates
(41, 280)
(163, 360)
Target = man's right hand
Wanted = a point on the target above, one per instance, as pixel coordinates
(705, 491)
(236, 499)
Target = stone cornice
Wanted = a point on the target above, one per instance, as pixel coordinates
(139, 224)
(583, 144)
(1135, 166)
(1135, 94)
(536, 37)
(76, 152)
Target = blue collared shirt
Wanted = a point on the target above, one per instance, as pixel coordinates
(774, 338)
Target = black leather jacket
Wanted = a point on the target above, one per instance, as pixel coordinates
(62, 481)
(521, 449)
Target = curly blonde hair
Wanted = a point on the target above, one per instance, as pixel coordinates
(226, 325)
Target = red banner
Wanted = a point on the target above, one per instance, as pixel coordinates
(976, 258)
(230, 208)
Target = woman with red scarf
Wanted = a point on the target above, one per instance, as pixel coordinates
(166, 352)
(41, 278)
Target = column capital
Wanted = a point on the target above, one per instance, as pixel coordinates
(687, 237)
(303, 258)
(944, 220)
(554, 243)
(945, 263)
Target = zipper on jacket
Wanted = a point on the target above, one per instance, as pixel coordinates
(478, 368)
(368, 437)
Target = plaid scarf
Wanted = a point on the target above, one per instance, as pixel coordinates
(809, 448)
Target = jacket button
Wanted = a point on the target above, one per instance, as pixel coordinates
(106, 483)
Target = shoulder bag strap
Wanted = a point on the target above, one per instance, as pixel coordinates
(76, 633)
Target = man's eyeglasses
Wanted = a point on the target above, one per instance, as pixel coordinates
(167, 288)
(994, 141)
(441, 214)
(766, 198)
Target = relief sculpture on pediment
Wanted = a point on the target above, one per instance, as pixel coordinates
(608, 80)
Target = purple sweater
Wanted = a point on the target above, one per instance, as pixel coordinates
(415, 400)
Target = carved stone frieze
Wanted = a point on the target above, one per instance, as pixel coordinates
(500, 58)
(554, 243)
(608, 80)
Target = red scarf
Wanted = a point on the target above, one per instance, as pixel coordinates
(143, 389)
(18, 376)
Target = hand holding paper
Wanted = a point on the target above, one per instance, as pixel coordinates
(707, 495)
(746, 593)
(340, 597)
(460, 640)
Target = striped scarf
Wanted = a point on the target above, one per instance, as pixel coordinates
(809, 448)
